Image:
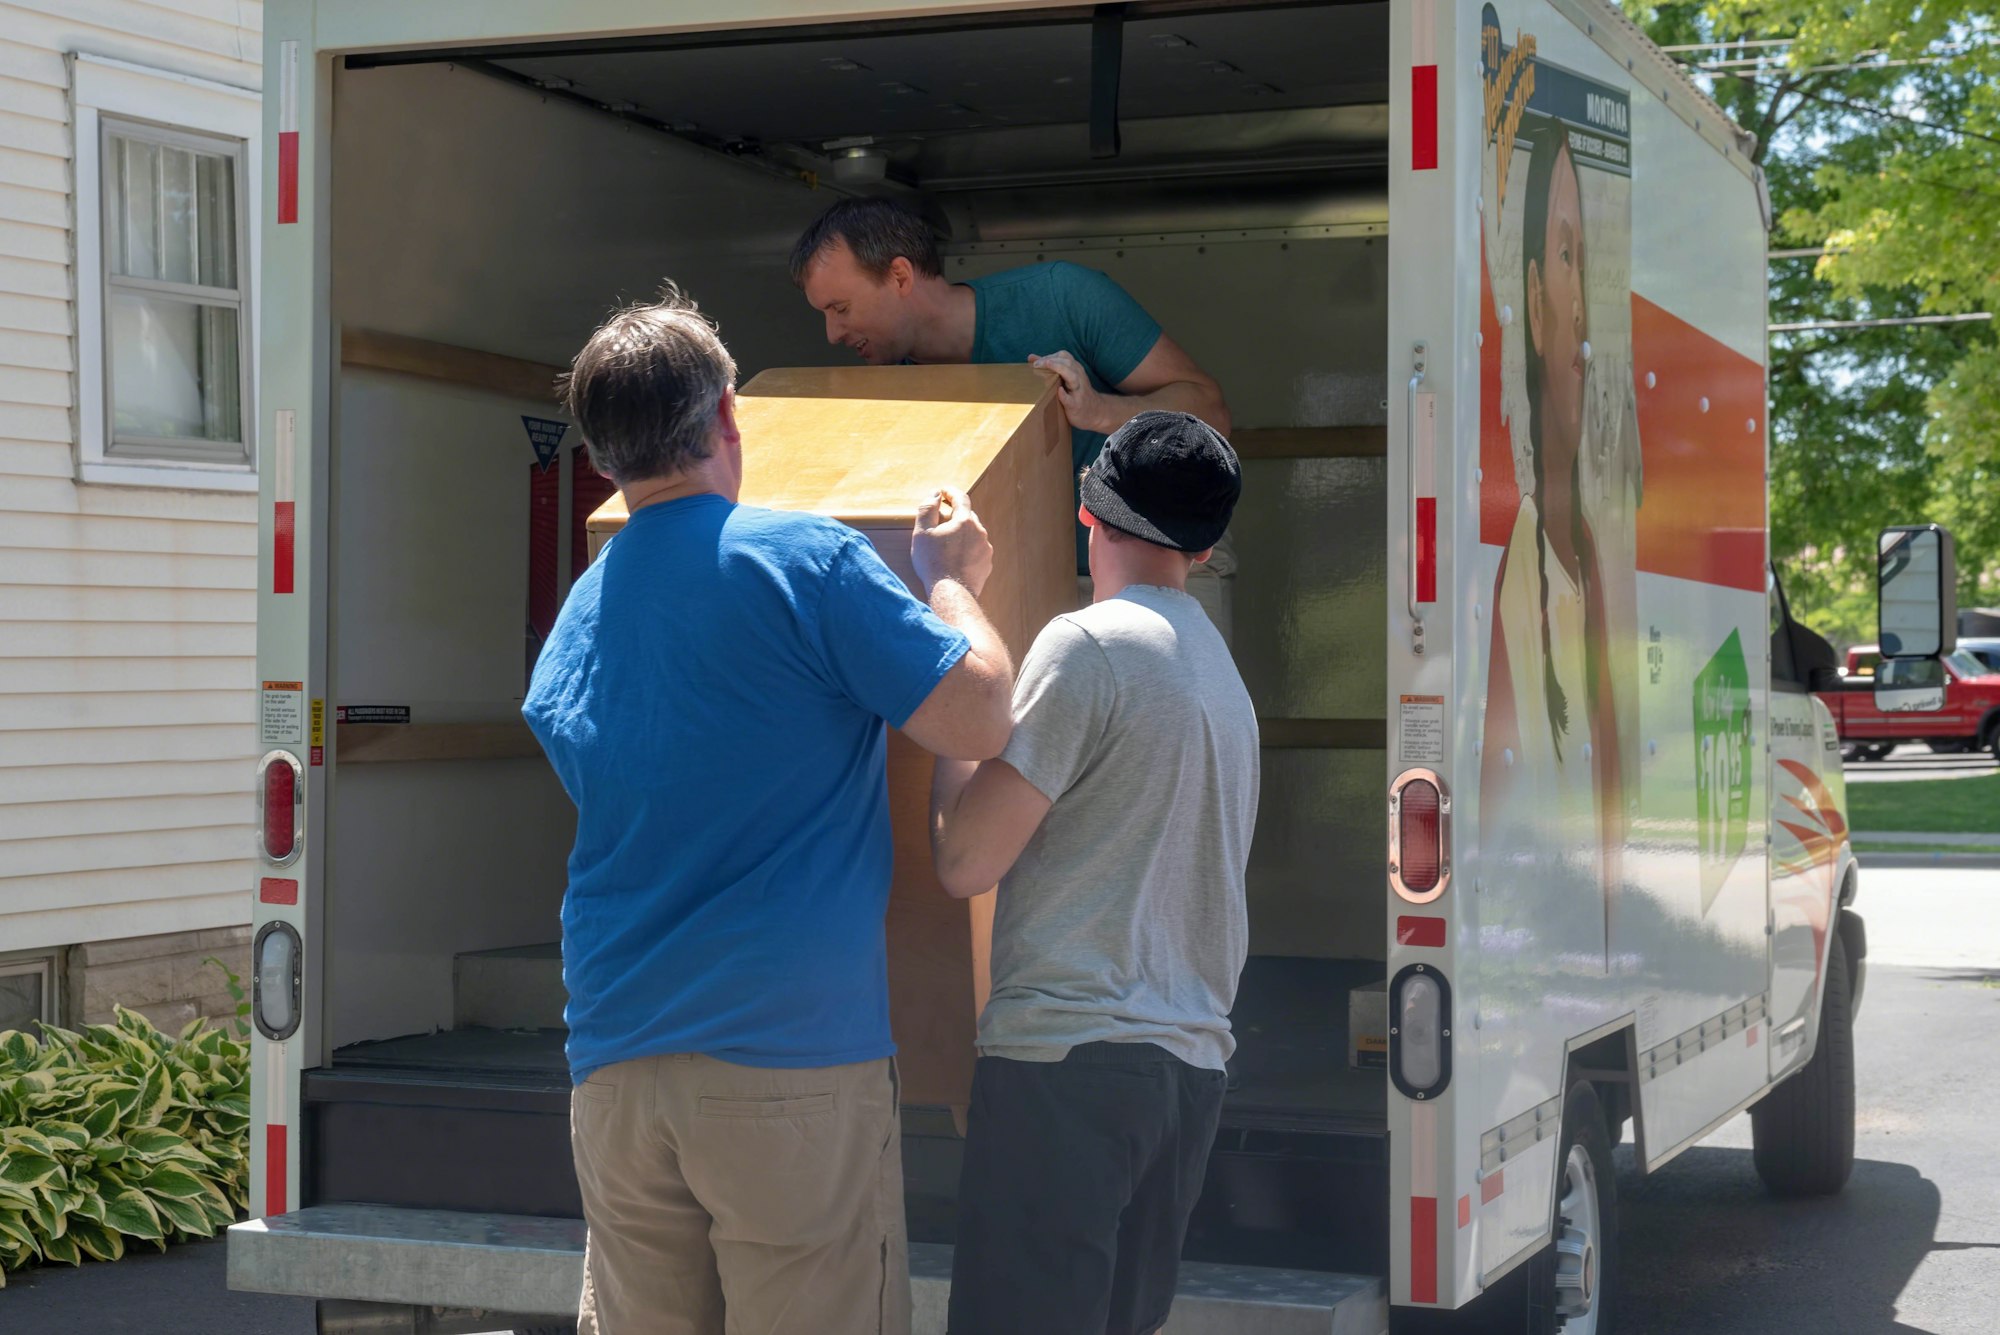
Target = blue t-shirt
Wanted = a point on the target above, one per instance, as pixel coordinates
(1063, 307)
(713, 698)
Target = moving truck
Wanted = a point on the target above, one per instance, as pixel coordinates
(1551, 847)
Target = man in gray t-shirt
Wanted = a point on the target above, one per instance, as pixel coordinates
(1117, 823)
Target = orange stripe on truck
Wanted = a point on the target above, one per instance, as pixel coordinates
(1701, 434)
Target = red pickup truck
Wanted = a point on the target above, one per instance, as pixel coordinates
(1970, 719)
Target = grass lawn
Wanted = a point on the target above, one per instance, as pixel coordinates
(1949, 806)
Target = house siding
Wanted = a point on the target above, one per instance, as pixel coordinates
(127, 614)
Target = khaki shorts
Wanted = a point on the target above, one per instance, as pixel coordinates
(740, 1200)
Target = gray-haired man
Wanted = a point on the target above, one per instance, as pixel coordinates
(713, 697)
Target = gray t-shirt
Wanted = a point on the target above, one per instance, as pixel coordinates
(1123, 920)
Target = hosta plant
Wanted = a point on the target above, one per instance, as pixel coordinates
(119, 1134)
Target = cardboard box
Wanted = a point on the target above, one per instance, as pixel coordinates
(1368, 1027)
(867, 445)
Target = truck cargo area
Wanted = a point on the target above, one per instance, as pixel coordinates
(491, 206)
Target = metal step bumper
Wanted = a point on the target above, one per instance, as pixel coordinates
(519, 1264)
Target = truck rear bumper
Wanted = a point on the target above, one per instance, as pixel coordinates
(530, 1266)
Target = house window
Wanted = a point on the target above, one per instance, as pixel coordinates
(176, 377)
(168, 178)
(27, 991)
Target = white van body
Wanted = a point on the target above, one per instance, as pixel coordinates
(1634, 878)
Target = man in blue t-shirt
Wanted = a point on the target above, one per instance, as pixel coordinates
(871, 266)
(713, 697)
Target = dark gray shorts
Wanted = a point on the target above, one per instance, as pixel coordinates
(1079, 1179)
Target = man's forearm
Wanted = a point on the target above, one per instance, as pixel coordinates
(1180, 396)
(957, 608)
(948, 781)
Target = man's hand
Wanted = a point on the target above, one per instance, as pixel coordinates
(949, 542)
(1082, 404)
(1167, 379)
(967, 715)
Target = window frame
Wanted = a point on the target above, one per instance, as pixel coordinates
(113, 96)
(49, 966)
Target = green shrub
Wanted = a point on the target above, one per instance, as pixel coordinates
(119, 1132)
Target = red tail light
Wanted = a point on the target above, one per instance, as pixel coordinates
(281, 799)
(1418, 830)
(1419, 836)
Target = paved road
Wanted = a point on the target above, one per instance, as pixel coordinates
(1912, 1246)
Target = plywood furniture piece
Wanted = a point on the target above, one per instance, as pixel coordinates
(868, 445)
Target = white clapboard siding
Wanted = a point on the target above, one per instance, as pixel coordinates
(31, 784)
(127, 614)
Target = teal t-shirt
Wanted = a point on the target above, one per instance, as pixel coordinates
(1063, 307)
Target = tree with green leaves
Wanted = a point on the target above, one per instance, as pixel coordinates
(1878, 129)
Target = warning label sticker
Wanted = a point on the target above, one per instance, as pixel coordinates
(371, 713)
(281, 713)
(1420, 730)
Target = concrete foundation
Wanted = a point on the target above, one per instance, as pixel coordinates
(169, 979)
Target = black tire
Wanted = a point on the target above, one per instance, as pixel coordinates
(1524, 1302)
(1802, 1133)
(558, 1328)
(1584, 1126)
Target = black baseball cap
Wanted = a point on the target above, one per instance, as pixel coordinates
(1169, 478)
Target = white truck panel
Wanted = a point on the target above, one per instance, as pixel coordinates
(1545, 948)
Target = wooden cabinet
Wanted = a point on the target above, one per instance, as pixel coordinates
(867, 445)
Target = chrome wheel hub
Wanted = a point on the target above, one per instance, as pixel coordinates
(1577, 1229)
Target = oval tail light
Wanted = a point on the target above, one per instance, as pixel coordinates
(281, 795)
(1419, 836)
(1420, 1032)
(275, 981)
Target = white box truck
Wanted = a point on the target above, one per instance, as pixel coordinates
(1484, 285)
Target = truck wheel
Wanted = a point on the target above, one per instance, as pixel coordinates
(1573, 1286)
(1802, 1133)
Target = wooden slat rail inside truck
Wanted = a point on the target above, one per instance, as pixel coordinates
(1551, 848)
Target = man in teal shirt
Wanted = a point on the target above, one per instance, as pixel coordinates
(871, 267)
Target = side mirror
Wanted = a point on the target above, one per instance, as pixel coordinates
(1917, 589)
(1910, 686)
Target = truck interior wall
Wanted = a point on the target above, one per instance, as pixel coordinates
(1294, 330)
(477, 213)
(506, 224)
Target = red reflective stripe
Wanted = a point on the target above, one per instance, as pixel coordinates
(274, 1170)
(1427, 549)
(1464, 1211)
(1418, 931)
(1750, 1037)
(284, 531)
(1493, 1186)
(278, 890)
(1423, 1249)
(288, 176)
(1423, 117)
